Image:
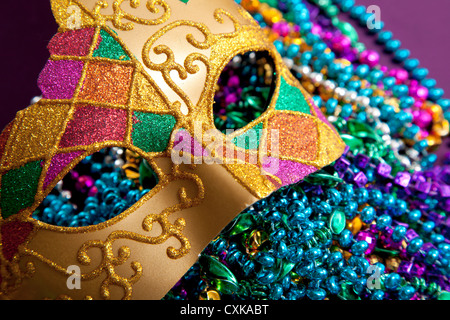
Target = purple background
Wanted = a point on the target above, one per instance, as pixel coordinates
(422, 26)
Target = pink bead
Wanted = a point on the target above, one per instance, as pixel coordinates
(419, 92)
(422, 118)
(402, 75)
(282, 28)
(370, 57)
(384, 69)
(341, 43)
(316, 29)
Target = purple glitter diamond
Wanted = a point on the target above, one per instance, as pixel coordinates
(402, 179)
(384, 170)
(360, 179)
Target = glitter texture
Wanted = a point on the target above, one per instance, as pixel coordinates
(40, 127)
(151, 132)
(288, 171)
(14, 233)
(249, 140)
(58, 163)
(71, 43)
(19, 188)
(110, 48)
(185, 142)
(94, 124)
(107, 82)
(59, 79)
(323, 118)
(297, 136)
(4, 138)
(291, 98)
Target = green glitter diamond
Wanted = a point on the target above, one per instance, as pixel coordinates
(19, 187)
(249, 140)
(292, 99)
(151, 132)
(110, 48)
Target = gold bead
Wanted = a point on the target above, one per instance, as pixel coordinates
(355, 225)
(442, 128)
(209, 294)
(250, 5)
(392, 263)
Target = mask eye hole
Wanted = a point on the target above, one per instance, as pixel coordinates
(244, 90)
(97, 189)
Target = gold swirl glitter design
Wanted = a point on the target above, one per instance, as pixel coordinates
(189, 67)
(120, 14)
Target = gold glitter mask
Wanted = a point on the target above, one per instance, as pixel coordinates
(142, 75)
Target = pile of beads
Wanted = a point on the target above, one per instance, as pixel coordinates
(373, 225)
(98, 189)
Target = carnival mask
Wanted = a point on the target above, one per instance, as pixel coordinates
(142, 76)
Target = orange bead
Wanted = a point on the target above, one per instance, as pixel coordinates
(250, 5)
(272, 15)
(355, 225)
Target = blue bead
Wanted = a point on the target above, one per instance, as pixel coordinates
(295, 254)
(280, 249)
(320, 274)
(428, 226)
(411, 64)
(392, 281)
(400, 90)
(348, 274)
(399, 233)
(334, 258)
(392, 45)
(313, 254)
(278, 234)
(431, 256)
(368, 214)
(389, 82)
(375, 197)
(279, 45)
(420, 74)
(286, 282)
(359, 247)
(296, 206)
(332, 285)
(316, 294)
(361, 195)
(305, 269)
(276, 292)
(414, 245)
(383, 221)
(265, 259)
(429, 83)
(406, 293)
(437, 238)
(293, 51)
(357, 11)
(377, 295)
(274, 216)
(306, 235)
(265, 277)
(345, 238)
(331, 105)
(435, 93)
(384, 36)
(401, 55)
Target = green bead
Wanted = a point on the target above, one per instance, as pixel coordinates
(331, 11)
(214, 267)
(337, 222)
(444, 296)
(225, 286)
(360, 47)
(348, 30)
(283, 267)
(347, 292)
(353, 142)
(362, 130)
(244, 222)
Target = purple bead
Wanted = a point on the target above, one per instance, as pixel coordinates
(362, 161)
(342, 164)
(405, 268)
(437, 218)
(445, 175)
(360, 179)
(417, 176)
(444, 190)
(411, 234)
(427, 246)
(402, 179)
(384, 170)
(417, 270)
(423, 187)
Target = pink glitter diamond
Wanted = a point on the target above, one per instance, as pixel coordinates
(59, 162)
